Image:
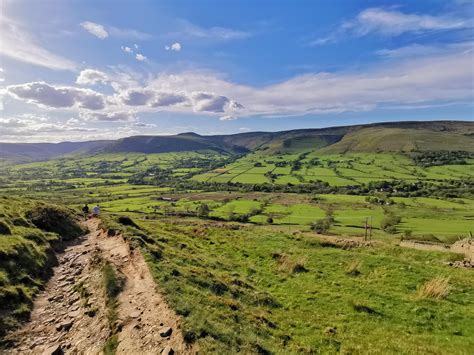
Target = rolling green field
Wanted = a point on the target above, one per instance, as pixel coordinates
(108, 180)
(335, 169)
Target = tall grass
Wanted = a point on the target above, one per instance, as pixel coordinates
(437, 288)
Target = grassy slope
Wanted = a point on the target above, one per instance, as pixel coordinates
(235, 295)
(26, 252)
(400, 139)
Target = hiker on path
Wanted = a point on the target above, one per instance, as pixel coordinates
(85, 211)
(96, 211)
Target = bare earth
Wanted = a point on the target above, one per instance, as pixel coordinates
(69, 316)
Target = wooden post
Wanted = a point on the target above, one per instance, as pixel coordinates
(370, 229)
(365, 236)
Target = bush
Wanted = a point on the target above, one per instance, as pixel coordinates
(322, 226)
(389, 223)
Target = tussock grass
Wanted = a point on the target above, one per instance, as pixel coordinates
(353, 268)
(290, 264)
(437, 288)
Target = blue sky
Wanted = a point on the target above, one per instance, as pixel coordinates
(80, 70)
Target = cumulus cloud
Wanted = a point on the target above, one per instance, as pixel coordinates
(164, 99)
(136, 97)
(45, 95)
(140, 57)
(127, 49)
(434, 79)
(18, 44)
(174, 47)
(91, 77)
(205, 101)
(95, 29)
(121, 116)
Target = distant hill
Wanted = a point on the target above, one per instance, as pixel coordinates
(378, 137)
(26, 152)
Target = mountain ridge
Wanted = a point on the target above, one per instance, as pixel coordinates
(381, 136)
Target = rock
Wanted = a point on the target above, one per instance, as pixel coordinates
(64, 325)
(74, 314)
(167, 351)
(135, 314)
(166, 331)
(53, 350)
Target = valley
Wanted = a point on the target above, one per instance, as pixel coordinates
(294, 242)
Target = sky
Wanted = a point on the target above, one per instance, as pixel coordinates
(94, 69)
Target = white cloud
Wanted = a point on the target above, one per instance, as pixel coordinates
(127, 49)
(126, 33)
(140, 57)
(164, 99)
(143, 125)
(34, 129)
(393, 23)
(190, 30)
(445, 77)
(122, 116)
(228, 118)
(18, 44)
(2, 75)
(91, 77)
(95, 29)
(209, 102)
(174, 47)
(45, 95)
(389, 22)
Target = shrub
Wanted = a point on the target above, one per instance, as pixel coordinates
(389, 223)
(270, 220)
(437, 288)
(323, 225)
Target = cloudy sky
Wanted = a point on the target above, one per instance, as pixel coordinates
(82, 70)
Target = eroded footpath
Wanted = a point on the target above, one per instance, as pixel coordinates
(71, 314)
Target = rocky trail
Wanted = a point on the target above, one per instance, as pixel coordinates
(71, 315)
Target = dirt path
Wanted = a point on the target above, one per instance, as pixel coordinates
(70, 315)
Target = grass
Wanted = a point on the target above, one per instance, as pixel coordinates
(112, 287)
(437, 288)
(242, 289)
